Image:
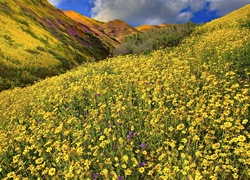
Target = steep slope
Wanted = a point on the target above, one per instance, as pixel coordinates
(38, 40)
(181, 113)
(83, 19)
(118, 29)
(222, 36)
(93, 26)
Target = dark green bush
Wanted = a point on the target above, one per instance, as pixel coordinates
(154, 39)
(32, 51)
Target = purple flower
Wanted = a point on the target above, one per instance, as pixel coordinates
(143, 145)
(95, 176)
(73, 32)
(116, 147)
(135, 133)
(129, 135)
(141, 164)
(98, 95)
(68, 108)
(118, 123)
(77, 114)
(121, 178)
(39, 121)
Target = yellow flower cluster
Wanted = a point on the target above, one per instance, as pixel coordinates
(167, 115)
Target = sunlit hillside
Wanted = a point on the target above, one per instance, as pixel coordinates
(176, 113)
(83, 19)
(112, 32)
(146, 27)
(94, 27)
(118, 29)
(38, 40)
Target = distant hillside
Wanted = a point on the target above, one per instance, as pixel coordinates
(146, 27)
(112, 32)
(38, 40)
(118, 29)
(94, 27)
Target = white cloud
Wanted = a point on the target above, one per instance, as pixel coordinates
(140, 11)
(146, 11)
(55, 2)
(159, 11)
(226, 6)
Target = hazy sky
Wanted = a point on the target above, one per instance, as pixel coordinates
(136, 12)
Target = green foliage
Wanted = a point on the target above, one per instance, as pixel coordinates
(8, 39)
(31, 51)
(4, 8)
(39, 48)
(246, 24)
(79, 58)
(154, 39)
(30, 32)
(240, 59)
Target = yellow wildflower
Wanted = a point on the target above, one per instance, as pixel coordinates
(52, 171)
(141, 169)
(128, 172)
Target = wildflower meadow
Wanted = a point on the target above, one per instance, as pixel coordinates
(175, 113)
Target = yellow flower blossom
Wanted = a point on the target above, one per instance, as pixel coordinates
(125, 158)
(52, 171)
(141, 169)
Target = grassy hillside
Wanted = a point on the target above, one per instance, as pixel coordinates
(177, 113)
(38, 40)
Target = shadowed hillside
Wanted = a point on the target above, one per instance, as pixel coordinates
(180, 112)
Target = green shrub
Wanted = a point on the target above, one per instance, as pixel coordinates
(154, 39)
